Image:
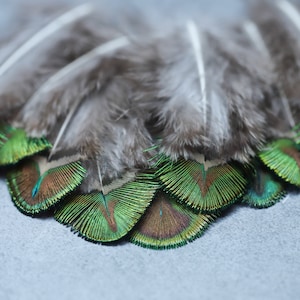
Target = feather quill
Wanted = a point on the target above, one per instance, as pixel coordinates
(45, 33)
(196, 43)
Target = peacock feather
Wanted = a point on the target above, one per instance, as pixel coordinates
(167, 224)
(283, 157)
(148, 133)
(15, 145)
(266, 189)
(100, 217)
(202, 188)
(34, 191)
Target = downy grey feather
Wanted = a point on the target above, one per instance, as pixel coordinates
(89, 114)
(42, 55)
(277, 110)
(107, 131)
(279, 25)
(70, 85)
(206, 89)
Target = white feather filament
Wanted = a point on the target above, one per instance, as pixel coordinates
(103, 49)
(100, 178)
(197, 47)
(57, 24)
(64, 127)
(255, 35)
(290, 11)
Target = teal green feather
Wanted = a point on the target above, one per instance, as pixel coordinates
(168, 224)
(296, 131)
(34, 193)
(265, 190)
(201, 189)
(283, 157)
(15, 145)
(106, 218)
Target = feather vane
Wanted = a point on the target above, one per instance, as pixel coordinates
(283, 157)
(15, 145)
(167, 224)
(201, 188)
(106, 218)
(266, 189)
(34, 192)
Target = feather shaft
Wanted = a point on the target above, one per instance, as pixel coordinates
(100, 177)
(64, 127)
(197, 47)
(290, 11)
(255, 36)
(62, 21)
(257, 39)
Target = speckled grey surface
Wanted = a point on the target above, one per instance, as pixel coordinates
(248, 254)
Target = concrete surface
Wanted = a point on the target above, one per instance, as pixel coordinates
(249, 254)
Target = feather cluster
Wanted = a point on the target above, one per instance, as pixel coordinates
(123, 136)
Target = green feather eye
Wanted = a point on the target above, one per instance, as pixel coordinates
(106, 218)
(167, 224)
(33, 192)
(203, 190)
(15, 145)
(265, 190)
(283, 157)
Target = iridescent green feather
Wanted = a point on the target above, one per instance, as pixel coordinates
(283, 157)
(168, 224)
(203, 190)
(296, 132)
(106, 218)
(265, 190)
(15, 145)
(33, 192)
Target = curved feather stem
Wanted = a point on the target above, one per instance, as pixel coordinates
(100, 177)
(60, 22)
(290, 11)
(64, 127)
(254, 34)
(197, 47)
(287, 107)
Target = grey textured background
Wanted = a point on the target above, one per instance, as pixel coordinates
(248, 254)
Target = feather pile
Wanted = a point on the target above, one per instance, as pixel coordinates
(150, 139)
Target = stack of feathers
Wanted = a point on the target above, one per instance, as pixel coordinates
(150, 138)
